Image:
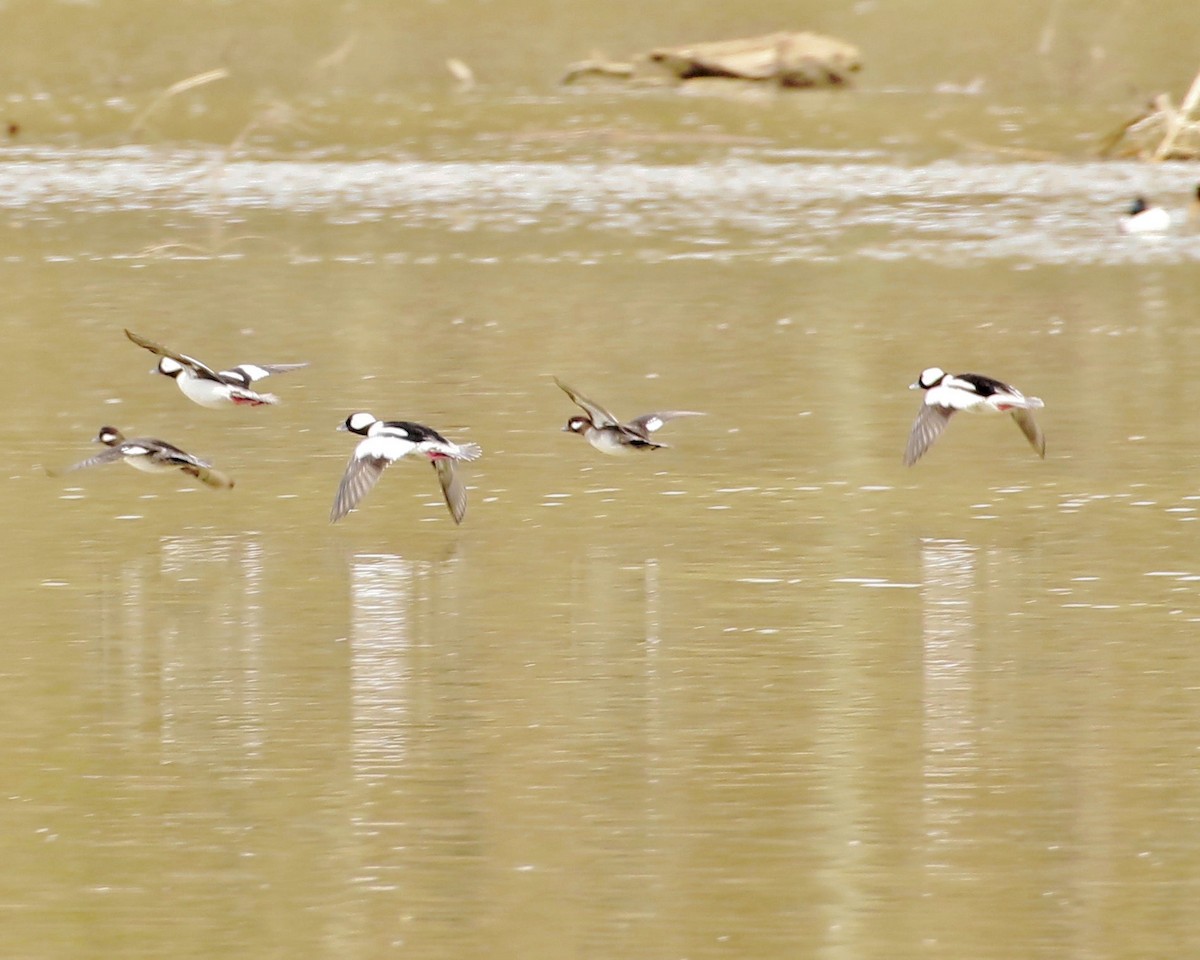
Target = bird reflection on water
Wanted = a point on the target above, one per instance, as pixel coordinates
(193, 693)
(950, 734)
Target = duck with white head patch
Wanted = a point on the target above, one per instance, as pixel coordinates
(1143, 218)
(202, 384)
(949, 393)
(151, 456)
(385, 442)
(608, 435)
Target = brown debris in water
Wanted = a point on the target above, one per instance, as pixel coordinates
(787, 59)
(1162, 132)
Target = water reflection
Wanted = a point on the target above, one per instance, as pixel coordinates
(384, 603)
(181, 645)
(951, 756)
(413, 817)
(653, 624)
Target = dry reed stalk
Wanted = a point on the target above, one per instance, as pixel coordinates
(1177, 119)
(181, 86)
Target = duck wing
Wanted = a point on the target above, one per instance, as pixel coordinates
(200, 369)
(931, 421)
(245, 374)
(453, 488)
(362, 473)
(1033, 433)
(648, 423)
(111, 455)
(599, 416)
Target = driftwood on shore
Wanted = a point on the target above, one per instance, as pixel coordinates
(1162, 132)
(784, 59)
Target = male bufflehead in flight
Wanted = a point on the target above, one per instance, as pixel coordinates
(387, 441)
(211, 388)
(947, 393)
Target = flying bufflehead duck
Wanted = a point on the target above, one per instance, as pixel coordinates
(947, 393)
(211, 388)
(151, 456)
(1143, 218)
(608, 435)
(389, 441)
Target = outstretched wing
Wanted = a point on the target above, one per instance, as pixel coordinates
(200, 369)
(930, 422)
(245, 374)
(1033, 433)
(647, 423)
(111, 455)
(165, 451)
(598, 415)
(453, 488)
(362, 473)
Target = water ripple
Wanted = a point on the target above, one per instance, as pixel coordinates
(947, 211)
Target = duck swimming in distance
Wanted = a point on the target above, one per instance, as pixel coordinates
(1143, 218)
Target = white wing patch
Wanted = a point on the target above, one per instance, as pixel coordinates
(957, 384)
(954, 397)
(253, 371)
(385, 430)
(384, 446)
(135, 450)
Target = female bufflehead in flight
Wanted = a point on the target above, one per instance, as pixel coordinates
(151, 456)
(608, 435)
